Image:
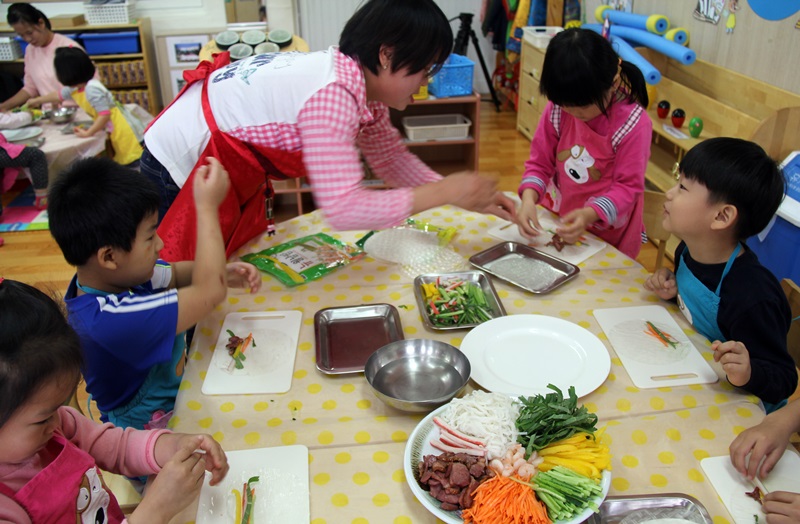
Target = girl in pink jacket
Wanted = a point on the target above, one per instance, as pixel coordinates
(51, 455)
(590, 150)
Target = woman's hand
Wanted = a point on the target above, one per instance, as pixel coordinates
(469, 191)
(502, 207)
(663, 284)
(575, 222)
(528, 215)
(243, 275)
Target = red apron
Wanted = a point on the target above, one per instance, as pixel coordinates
(69, 489)
(247, 208)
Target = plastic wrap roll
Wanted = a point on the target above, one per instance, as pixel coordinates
(657, 24)
(626, 52)
(678, 35)
(633, 36)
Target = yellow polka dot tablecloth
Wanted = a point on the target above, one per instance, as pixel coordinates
(356, 442)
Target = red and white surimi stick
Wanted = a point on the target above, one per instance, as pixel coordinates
(441, 446)
(453, 431)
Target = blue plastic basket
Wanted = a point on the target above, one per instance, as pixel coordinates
(454, 79)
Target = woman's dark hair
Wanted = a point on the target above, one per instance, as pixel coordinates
(26, 13)
(579, 70)
(37, 345)
(416, 31)
(740, 173)
(73, 66)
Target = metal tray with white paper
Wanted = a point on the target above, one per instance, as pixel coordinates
(525, 267)
(663, 508)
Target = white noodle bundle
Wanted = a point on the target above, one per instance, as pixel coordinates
(490, 417)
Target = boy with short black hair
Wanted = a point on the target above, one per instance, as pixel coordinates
(728, 190)
(130, 308)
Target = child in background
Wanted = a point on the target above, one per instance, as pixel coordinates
(590, 149)
(767, 441)
(76, 71)
(728, 190)
(13, 157)
(130, 308)
(51, 455)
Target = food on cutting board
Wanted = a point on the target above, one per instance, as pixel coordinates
(236, 347)
(557, 242)
(244, 501)
(532, 459)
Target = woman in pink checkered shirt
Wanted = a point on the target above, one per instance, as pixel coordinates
(282, 115)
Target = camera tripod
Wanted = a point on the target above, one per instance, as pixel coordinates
(460, 48)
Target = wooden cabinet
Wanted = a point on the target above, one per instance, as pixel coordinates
(130, 76)
(531, 103)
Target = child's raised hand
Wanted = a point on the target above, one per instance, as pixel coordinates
(662, 283)
(735, 360)
(211, 184)
(574, 224)
(244, 275)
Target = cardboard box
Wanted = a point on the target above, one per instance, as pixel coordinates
(67, 21)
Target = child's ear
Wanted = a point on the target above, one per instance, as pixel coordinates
(107, 257)
(725, 218)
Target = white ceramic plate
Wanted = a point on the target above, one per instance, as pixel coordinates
(522, 354)
(418, 446)
(282, 493)
(24, 133)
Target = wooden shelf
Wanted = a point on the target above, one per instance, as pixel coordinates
(126, 56)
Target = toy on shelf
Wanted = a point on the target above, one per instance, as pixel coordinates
(678, 35)
(695, 126)
(678, 116)
(663, 109)
(657, 24)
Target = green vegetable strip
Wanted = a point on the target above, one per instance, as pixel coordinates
(546, 419)
(564, 492)
(463, 304)
(249, 494)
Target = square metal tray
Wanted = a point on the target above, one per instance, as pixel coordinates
(555, 272)
(478, 278)
(347, 336)
(641, 508)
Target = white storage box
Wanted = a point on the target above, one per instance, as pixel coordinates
(436, 127)
(9, 49)
(540, 35)
(100, 14)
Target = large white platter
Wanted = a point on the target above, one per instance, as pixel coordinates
(418, 446)
(522, 354)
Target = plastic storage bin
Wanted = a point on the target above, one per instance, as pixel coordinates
(10, 49)
(111, 43)
(436, 127)
(778, 246)
(454, 79)
(540, 35)
(99, 14)
(22, 44)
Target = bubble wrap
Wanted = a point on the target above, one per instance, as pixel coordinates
(416, 251)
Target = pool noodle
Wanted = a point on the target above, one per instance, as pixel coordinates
(626, 52)
(657, 24)
(682, 54)
(678, 35)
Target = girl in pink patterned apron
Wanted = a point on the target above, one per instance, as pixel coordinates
(590, 150)
(51, 455)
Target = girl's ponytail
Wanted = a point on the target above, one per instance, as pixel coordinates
(633, 83)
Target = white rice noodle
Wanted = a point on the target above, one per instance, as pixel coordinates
(490, 417)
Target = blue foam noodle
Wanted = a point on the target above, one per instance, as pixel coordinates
(678, 35)
(657, 24)
(675, 51)
(629, 54)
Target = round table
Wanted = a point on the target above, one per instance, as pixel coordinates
(298, 44)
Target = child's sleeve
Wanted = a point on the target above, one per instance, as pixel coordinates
(128, 451)
(541, 164)
(98, 98)
(66, 93)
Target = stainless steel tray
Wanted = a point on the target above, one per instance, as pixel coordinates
(533, 270)
(347, 336)
(641, 508)
(495, 307)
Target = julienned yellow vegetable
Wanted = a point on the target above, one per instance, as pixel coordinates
(583, 453)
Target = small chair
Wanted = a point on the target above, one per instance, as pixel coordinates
(653, 218)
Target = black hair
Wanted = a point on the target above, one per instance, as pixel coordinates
(73, 66)
(96, 202)
(416, 31)
(37, 345)
(579, 70)
(740, 173)
(25, 13)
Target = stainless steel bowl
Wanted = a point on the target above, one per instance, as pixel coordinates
(417, 375)
(62, 115)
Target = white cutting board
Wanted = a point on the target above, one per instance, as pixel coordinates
(648, 362)
(731, 486)
(572, 253)
(282, 493)
(269, 365)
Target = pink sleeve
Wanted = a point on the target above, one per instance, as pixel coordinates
(387, 155)
(28, 82)
(541, 165)
(128, 451)
(329, 125)
(630, 165)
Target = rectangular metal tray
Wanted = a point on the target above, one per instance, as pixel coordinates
(478, 278)
(615, 509)
(558, 271)
(347, 336)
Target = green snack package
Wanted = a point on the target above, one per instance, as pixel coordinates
(304, 259)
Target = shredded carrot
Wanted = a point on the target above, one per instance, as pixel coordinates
(502, 500)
